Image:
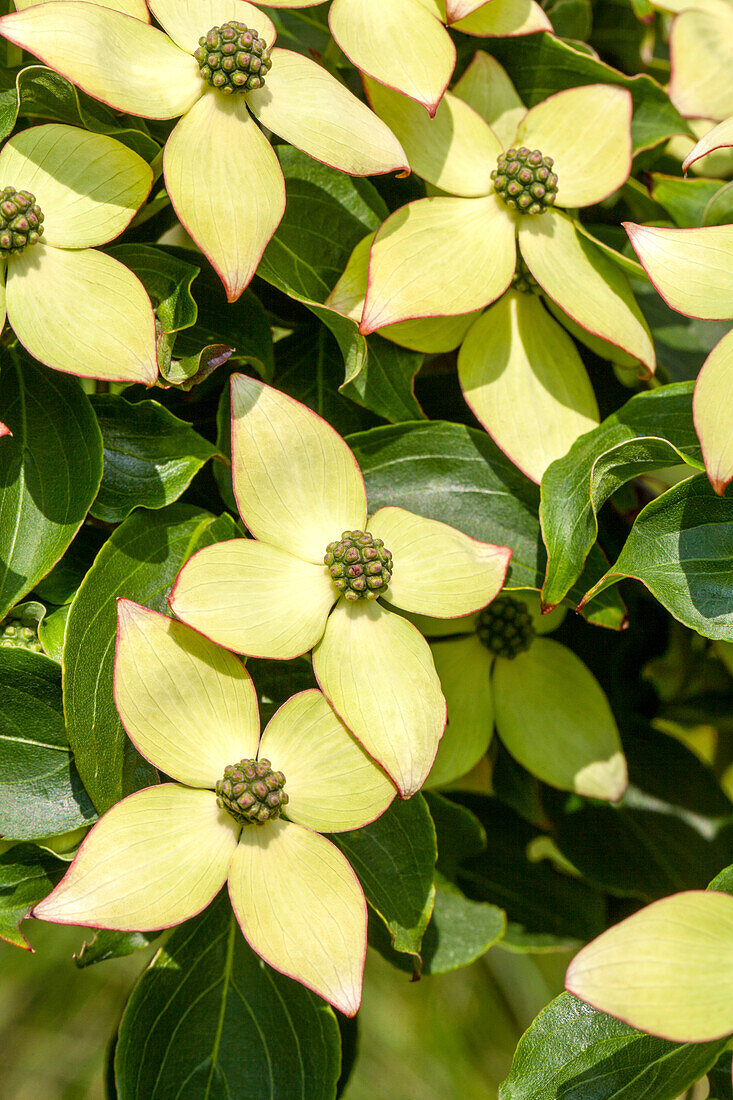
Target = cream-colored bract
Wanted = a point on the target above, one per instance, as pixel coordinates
(701, 53)
(713, 415)
(221, 173)
(162, 854)
(298, 488)
(719, 137)
(458, 662)
(74, 308)
(668, 969)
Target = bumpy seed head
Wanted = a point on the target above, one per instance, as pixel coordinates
(505, 627)
(524, 281)
(233, 58)
(361, 566)
(19, 634)
(525, 180)
(21, 221)
(252, 792)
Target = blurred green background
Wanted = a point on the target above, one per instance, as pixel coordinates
(443, 1038)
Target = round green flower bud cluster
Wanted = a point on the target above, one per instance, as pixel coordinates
(524, 281)
(233, 58)
(18, 634)
(360, 565)
(525, 180)
(252, 792)
(21, 221)
(505, 627)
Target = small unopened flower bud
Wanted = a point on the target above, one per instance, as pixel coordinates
(21, 221)
(233, 58)
(360, 565)
(505, 627)
(525, 180)
(252, 792)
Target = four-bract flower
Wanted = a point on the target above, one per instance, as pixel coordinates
(496, 670)
(412, 51)
(693, 271)
(215, 65)
(242, 809)
(63, 191)
(520, 373)
(301, 494)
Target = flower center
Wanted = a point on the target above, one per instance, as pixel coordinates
(252, 792)
(17, 633)
(524, 281)
(233, 58)
(360, 565)
(525, 180)
(505, 627)
(21, 222)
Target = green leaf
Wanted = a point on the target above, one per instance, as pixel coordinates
(719, 211)
(167, 279)
(681, 548)
(109, 944)
(538, 900)
(684, 200)
(140, 562)
(459, 476)
(459, 832)
(720, 1079)
(649, 432)
(50, 469)
(40, 790)
(723, 881)
(394, 858)
(571, 18)
(62, 582)
(385, 383)
(42, 94)
(310, 367)
(670, 832)
(150, 456)
(51, 631)
(208, 1019)
(541, 65)
(682, 343)
(574, 1052)
(326, 216)
(27, 874)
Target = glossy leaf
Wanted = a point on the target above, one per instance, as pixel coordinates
(207, 1011)
(394, 858)
(150, 456)
(139, 562)
(27, 874)
(649, 432)
(571, 1050)
(40, 789)
(681, 548)
(48, 478)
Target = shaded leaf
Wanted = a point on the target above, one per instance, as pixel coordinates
(27, 874)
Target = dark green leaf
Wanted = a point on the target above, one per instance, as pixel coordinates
(537, 899)
(649, 432)
(310, 368)
(139, 561)
(51, 632)
(541, 65)
(719, 211)
(721, 1079)
(682, 343)
(40, 93)
(109, 944)
(40, 790)
(27, 874)
(459, 476)
(60, 586)
(385, 383)
(723, 881)
(670, 832)
(571, 18)
(394, 858)
(574, 1052)
(459, 833)
(50, 469)
(681, 548)
(150, 456)
(209, 1020)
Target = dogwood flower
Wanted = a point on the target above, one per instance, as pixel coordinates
(215, 65)
(498, 670)
(242, 809)
(413, 52)
(63, 191)
(514, 356)
(701, 56)
(301, 494)
(692, 269)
